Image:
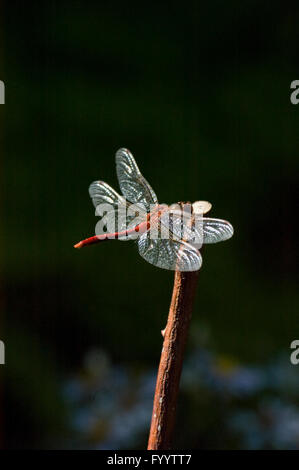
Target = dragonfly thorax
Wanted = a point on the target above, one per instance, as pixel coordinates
(186, 206)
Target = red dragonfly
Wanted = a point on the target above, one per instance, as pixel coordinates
(167, 236)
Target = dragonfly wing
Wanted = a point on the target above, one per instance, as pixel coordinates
(112, 208)
(216, 230)
(196, 229)
(101, 193)
(169, 254)
(181, 226)
(133, 185)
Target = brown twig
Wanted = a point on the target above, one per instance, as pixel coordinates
(171, 361)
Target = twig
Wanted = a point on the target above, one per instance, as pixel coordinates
(169, 373)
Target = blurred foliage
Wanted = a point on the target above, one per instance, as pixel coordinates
(199, 92)
(223, 404)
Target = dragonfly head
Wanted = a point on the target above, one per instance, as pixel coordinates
(198, 207)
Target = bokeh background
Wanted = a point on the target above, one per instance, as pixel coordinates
(200, 93)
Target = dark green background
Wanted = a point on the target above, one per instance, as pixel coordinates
(200, 93)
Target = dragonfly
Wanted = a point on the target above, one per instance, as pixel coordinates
(179, 230)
